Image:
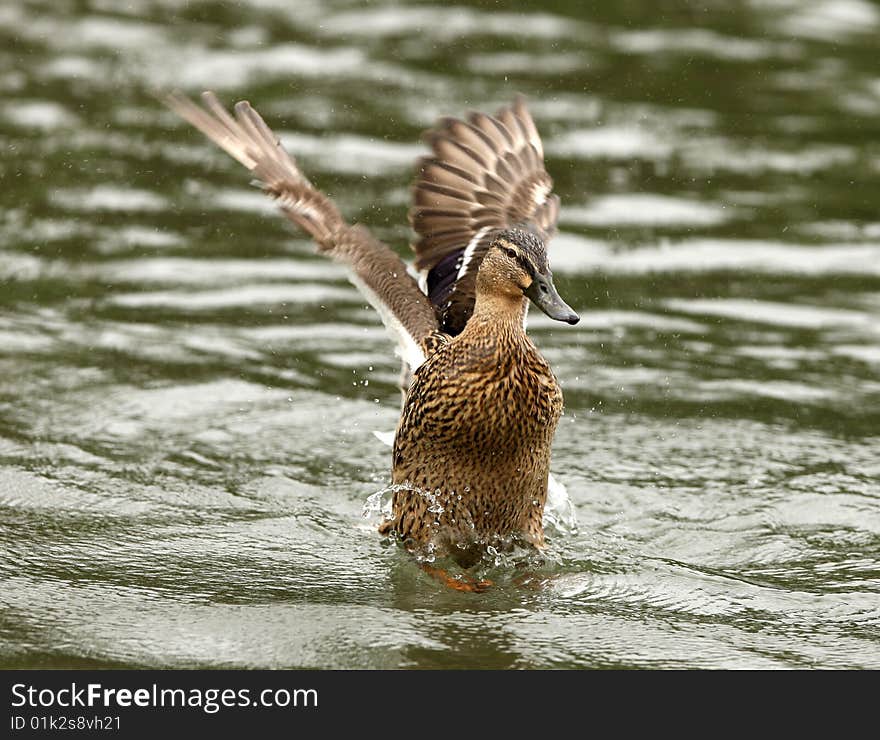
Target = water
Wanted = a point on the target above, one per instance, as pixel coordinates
(188, 393)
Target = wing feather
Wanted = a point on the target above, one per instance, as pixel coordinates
(373, 267)
(486, 174)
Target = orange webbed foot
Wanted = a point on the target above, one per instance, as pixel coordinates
(456, 583)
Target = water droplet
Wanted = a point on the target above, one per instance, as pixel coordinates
(376, 504)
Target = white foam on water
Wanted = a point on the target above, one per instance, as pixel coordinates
(609, 142)
(249, 36)
(830, 19)
(234, 68)
(105, 32)
(74, 67)
(770, 312)
(566, 107)
(219, 345)
(711, 154)
(37, 114)
(17, 266)
(191, 401)
(700, 41)
(646, 209)
(108, 198)
(351, 154)
(505, 63)
(354, 360)
(837, 230)
(593, 320)
(13, 342)
(779, 354)
(25, 491)
(573, 253)
(866, 353)
(781, 390)
(318, 333)
(127, 237)
(98, 32)
(190, 271)
(447, 23)
(248, 295)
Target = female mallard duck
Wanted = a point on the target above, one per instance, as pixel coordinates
(471, 455)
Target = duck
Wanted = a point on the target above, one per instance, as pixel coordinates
(480, 404)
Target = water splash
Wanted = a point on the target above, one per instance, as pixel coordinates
(559, 513)
(380, 502)
(377, 504)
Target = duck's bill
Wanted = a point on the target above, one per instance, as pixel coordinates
(544, 295)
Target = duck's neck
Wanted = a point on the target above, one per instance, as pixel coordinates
(500, 315)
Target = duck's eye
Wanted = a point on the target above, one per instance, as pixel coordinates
(510, 253)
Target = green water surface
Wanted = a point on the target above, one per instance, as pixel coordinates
(187, 392)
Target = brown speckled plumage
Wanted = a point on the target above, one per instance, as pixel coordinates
(472, 451)
(471, 455)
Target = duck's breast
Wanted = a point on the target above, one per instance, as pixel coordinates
(476, 405)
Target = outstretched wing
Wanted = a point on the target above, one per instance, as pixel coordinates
(486, 174)
(373, 267)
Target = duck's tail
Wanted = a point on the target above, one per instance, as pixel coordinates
(374, 267)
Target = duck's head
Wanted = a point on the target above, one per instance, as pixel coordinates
(516, 265)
